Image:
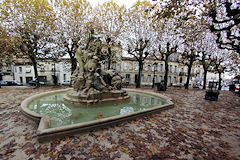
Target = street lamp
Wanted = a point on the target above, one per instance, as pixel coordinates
(54, 72)
(154, 76)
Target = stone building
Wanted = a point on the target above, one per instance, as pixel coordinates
(6, 72)
(155, 70)
(24, 71)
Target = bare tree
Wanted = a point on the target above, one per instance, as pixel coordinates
(222, 63)
(72, 26)
(207, 46)
(226, 19)
(140, 54)
(108, 24)
(30, 27)
(188, 58)
(207, 62)
(138, 34)
(164, 56)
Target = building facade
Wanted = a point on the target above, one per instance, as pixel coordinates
(47, 70)
(154, 70)
(6, 72)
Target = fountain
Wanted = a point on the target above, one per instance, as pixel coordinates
(96, 100)
(91, 84)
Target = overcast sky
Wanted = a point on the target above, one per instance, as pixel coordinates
(127, 3)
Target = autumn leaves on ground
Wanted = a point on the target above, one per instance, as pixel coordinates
(193, 129)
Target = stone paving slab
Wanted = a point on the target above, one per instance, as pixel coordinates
(193, 129)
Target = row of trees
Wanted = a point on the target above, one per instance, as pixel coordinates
(36, 29)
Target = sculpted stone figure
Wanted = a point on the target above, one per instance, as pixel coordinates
(117, 81)
(90, 82)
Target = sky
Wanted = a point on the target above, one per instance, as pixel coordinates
(127, 3)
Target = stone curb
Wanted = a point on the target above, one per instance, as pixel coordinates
(44, 132)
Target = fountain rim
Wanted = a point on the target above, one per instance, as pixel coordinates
(44, 131)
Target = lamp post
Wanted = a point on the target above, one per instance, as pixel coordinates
(154, 76)
(54, 72)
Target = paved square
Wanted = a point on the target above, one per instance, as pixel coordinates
(193, 129)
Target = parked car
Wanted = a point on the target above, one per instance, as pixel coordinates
(66, 83)
(237, 89)
(3, 83)
(14, 83)
(17, 83)
(33, 83)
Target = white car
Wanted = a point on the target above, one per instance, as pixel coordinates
(3, 83)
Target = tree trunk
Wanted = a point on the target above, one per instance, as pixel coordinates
(189, 75)
(189, 72)
(219, 81)
(205, 79)
(140, 64)
(166, 74)
(35, 71)
(109, 58)
(109, 64)
(74, 64)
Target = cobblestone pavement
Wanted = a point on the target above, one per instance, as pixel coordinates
(193, 129)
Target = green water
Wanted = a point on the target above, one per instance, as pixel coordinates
(63, 113)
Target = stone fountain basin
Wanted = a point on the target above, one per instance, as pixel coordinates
(44, 132)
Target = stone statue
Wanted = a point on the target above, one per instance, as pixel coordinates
(89, 81)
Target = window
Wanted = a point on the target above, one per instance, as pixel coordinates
(9, 68)
(170, 69)
(182, 72)
(125, 66)
(169, 80)
(28, 70)
(155, 78)
(198, 71)
(53, 67)
(198, 68)
(127, 77)
(64, 77)
(142, 78)
(160, 78)
(161, 68)
(136, 67)
(155, 66)
(42, 68)
(130, 66)
(174, 80)
(182, 69)
(149, 67)
(149, 78)
(20, 69)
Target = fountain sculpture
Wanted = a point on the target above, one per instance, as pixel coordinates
(91, 84)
